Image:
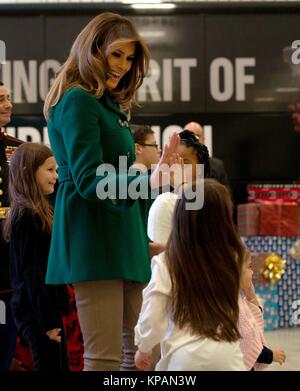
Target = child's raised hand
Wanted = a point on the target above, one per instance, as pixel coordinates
(162, 175)
(279, 356)
(54, 334)
(142, 360)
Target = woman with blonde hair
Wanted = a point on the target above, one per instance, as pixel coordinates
(98, 243)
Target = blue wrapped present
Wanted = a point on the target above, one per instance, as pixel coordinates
(268, 295)
(280, 299)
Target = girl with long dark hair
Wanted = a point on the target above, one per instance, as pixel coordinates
(190, 306)
(37, 308)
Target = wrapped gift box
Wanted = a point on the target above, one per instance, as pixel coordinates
(289, 295)
(285, 294)
(266, 291)
(247, 219)
(269, 219)
(271, 192)
(269, 295)
(278, 219)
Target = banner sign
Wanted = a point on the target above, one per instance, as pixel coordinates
(199, 62)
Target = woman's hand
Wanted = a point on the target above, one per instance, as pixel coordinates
(162, 175)
(142, 360)
(54, 334)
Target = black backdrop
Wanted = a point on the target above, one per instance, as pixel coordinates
(228, 68)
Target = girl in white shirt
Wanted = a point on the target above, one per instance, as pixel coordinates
(190, 306)
(192, 153)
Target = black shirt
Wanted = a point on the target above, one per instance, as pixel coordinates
(35, 305)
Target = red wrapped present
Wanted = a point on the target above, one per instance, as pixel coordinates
(247, 219)
(278, 219)
(284, 193)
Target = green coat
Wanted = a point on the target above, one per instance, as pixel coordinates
(93, 239)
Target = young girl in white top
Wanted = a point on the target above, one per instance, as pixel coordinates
(192, 153)
(190, 306)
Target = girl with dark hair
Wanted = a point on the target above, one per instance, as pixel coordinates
(190, 306)
(37, 308)
(192, 153)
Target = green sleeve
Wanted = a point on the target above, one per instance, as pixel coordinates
(79, 122)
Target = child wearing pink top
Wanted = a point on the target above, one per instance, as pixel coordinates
(251, 326)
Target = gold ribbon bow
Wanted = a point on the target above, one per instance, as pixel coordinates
(273, 268)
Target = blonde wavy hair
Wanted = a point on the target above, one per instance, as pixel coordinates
(86, 66)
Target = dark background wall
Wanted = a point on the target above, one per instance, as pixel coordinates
(228, 68)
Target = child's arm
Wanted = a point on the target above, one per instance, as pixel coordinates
(267, 356)
(160, 218)
(153, 320)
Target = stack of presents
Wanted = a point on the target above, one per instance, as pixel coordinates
(270, 227)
